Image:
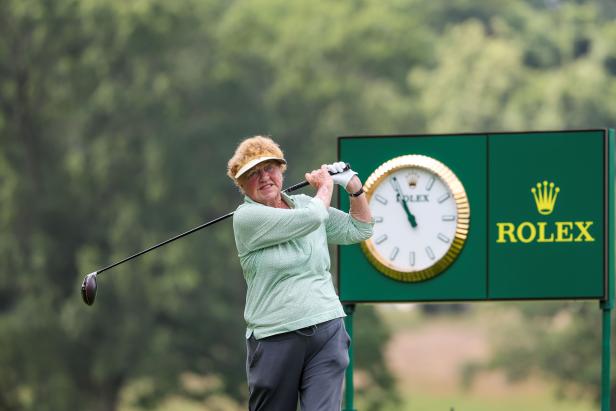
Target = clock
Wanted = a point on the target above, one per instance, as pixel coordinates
(422, 218)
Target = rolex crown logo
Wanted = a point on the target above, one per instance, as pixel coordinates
(412, 179)
(545, 197)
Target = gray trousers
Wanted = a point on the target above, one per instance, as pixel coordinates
(306, 364)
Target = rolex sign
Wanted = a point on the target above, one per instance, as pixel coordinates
(482, 216)
(548, 208)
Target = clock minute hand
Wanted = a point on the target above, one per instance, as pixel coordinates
(398, 191)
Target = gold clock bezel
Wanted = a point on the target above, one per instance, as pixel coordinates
(462, 221)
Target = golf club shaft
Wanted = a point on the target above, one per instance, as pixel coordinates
(214, 221)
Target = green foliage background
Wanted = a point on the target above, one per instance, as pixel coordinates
(116, 121)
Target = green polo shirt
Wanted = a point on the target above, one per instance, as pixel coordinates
(285, 259)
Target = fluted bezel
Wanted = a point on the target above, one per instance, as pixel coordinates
(443, 172)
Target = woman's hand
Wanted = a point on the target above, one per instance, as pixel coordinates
(320, 177)
(323, 182)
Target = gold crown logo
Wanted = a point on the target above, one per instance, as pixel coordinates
(545, 197)
(412, 178)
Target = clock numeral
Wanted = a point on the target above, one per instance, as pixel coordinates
(394, 253)
(394, 183)
(443, 238)
(430, 253)
(378, 219)
(412, 258)
(443, 197)
(430, 183)
(380, 199)
(381, 239)
(448, 218)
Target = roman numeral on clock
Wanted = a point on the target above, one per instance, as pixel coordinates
(381, 239)
(430, 183)
(443, 198)
(443, 238)
(380, 199)
(430, 253)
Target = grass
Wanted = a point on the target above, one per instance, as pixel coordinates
(463, 402)
(426, 355)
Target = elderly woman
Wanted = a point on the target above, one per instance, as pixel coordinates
(297, 347)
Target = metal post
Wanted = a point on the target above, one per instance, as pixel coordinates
(349, 309)
(606, 389)
(608, 303)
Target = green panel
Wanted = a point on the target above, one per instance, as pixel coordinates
(568, 265)
(466, 278)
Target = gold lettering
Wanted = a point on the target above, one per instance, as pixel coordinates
(542, 238)
(506, 229)
(532, 232)
(541, 232)
(583, 226)
(563, 231)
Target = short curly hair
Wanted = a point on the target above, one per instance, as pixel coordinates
(249, 149)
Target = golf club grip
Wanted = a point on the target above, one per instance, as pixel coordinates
(216, 220)
(305, 183)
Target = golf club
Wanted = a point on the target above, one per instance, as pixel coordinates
(89, 286)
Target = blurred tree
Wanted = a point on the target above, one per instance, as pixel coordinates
(322, 69)
(92, 94)
(519, 75)
(378, 390)
(113, 117)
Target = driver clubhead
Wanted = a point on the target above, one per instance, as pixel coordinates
(88, 289)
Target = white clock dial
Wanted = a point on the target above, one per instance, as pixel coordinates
(416, 240)
(421, 216)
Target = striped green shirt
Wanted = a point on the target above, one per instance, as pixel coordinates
(285, 259)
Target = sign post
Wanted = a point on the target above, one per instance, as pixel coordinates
(608, 304)
(485, 217)
(606, 353)
(349, 310)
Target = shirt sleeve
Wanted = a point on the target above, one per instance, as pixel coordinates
(257, 226)
(342, 228)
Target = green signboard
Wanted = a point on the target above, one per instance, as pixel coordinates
(486, 216)
(552, 246)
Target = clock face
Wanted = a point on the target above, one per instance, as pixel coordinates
(421, 218)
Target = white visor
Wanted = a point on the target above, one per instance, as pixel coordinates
(256, 161)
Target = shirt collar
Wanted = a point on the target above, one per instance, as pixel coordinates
(287, 199)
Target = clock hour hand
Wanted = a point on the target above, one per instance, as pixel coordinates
(409, 215)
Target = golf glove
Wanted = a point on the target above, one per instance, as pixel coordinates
(340, 177)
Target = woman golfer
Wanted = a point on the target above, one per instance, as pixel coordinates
(297, 347)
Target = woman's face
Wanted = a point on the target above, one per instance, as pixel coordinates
(263, 183)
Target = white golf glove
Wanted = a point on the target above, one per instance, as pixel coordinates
(340, 177)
